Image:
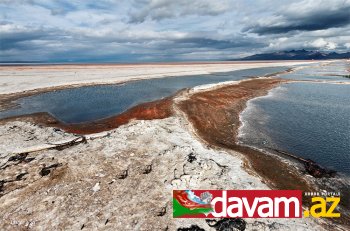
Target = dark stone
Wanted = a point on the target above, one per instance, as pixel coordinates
(18, 157)
(317, 171)
(227, 224)
(162, 212)
(192, 228)
(19, 177)
(148, 169)
(46, 170)
(123, 175)
(27, 160)
(191, 157)
(2, 183)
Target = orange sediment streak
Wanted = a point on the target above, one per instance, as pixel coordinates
(159, 109)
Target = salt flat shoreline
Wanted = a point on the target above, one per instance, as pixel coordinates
(15, 79)
(113, 163)
(22, 81)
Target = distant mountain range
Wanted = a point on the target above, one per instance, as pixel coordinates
(280, 55)
(298, 55)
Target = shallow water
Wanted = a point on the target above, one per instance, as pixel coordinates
(96, 102)
(311, 120)
(332, 72)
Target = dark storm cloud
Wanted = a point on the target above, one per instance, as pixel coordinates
(164, 9)
(24, 38)
(13, 39)
(167, 29)
(318, 17)
(218, 44)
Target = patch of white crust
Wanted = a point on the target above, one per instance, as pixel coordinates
(119, 180)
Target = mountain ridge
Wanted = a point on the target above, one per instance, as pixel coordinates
(298, 55)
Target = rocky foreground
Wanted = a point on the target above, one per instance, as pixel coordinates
(122, 179)
(117, 180)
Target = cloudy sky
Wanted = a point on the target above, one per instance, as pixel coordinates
(167, 30)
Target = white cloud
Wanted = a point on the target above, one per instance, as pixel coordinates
(323, 44)
(331, 45)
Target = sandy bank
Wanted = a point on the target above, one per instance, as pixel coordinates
(214, 111)
(215, 117)
(25, 78)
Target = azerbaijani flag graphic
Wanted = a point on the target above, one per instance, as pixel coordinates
(185, 202)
